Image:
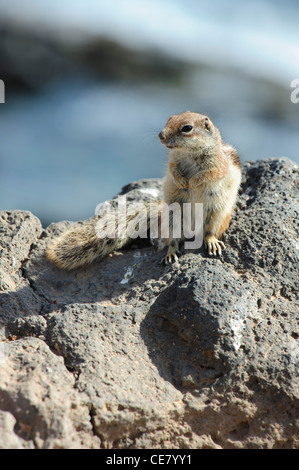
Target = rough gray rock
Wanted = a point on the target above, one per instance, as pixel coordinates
(130, 354)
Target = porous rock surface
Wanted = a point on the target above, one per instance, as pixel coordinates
(128, 353)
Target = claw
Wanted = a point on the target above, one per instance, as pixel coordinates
(214, 246)
(171, 258)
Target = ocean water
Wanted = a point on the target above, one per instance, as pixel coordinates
(78, 141)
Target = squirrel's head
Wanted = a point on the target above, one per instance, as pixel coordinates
(190, 131)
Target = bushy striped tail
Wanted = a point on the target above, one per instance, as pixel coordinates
(84, 244)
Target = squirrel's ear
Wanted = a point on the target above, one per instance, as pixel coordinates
(206, 123)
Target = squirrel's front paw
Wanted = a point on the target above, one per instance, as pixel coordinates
(194, 182)
(213, 245)
(182, 183)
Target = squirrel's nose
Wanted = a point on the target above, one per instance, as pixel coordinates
(162, 135)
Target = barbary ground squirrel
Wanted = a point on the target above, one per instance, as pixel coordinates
(202, 169)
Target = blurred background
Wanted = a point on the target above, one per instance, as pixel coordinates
(90, 83)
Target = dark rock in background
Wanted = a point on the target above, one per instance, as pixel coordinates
(31, 60)
(128, 353)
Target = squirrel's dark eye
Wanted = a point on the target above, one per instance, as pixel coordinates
(186, 129)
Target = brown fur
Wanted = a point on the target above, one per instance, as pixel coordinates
(202, 169)
(224, 226)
